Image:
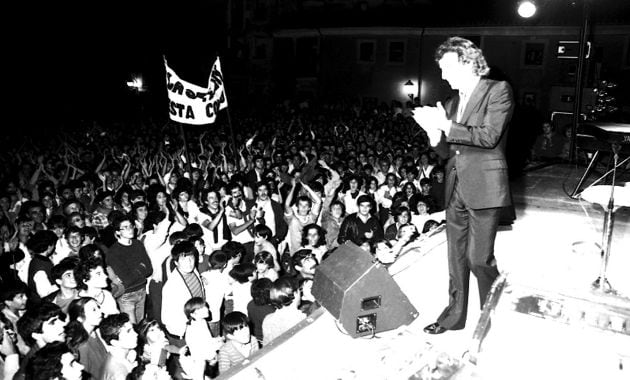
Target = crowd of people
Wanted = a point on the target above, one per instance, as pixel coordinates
(125, 255)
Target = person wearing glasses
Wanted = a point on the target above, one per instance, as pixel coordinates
(130, 261)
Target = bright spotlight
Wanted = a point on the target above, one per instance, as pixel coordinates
(526, 9)
(136, 84)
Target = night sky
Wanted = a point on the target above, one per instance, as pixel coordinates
(71, 60)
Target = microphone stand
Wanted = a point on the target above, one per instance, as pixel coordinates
(601, 283)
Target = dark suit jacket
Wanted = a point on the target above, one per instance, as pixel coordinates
(476, 146)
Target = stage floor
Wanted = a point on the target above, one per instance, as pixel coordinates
(549, 245)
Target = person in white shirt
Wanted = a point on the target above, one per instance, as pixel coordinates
(203, 347)
(285, 296)
(91, 281)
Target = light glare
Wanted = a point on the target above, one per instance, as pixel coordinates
(526, 9)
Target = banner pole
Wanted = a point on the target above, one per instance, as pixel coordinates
(188, 167)
(236, 158)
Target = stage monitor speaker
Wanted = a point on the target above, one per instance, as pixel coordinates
(360, 293)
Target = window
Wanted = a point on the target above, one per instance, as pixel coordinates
(533, 54)
(396, 52)
(367, 51)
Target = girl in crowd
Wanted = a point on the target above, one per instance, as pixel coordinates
(85, 316)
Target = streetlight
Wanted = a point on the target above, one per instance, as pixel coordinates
(526, 8)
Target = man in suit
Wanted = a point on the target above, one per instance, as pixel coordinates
(471, 131)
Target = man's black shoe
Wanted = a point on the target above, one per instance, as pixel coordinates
(434, 329)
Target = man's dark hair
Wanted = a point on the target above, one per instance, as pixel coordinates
(193, 230)
(89, 232)
(234, 321)
(119, 219)
(260, 291)
(182, 249)
(9, 291)
(67, 264)
(111, 325)
(34, 318)
(46, 363)
(71, 230)
(242, 272)
(56, 221)
(82, 271)
(177, 237)
(263, 231)
(218, 259)
(41, 241)
(233, 249)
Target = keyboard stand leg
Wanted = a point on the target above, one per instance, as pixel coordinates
(585, 175)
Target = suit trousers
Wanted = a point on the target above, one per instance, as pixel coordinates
(470, 236)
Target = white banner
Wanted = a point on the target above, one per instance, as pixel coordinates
(192, 104)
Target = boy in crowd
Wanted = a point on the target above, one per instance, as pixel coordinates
(121, 339)
(63, 275)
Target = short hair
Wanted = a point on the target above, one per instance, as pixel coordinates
(467, 52)
(100, 196)
(56, 221)
(365, 199)
(259, 184)
(67, 264)
(88, 251)
(234, 185)
(154, 217)
(34, 318)
(119, 219)
(316, 186)
(41, 241)
(218, 259)
(11, 290)
(399, 210)
(136, 206)
(89, 232)
(428, 225)
(264, 257)
(304, 198)
(177, 237)
(46, 363)
(82, 271)
(263, 231)
(260, 291)
(299, 256)
(71, 230)
(425, 181)
(322, 234)
(340, 204)
(233, 249)
(242, 272)
(193, 304)
(193, 230)
(183, 249)
(111, 325)
(282, 292)
(234, 321)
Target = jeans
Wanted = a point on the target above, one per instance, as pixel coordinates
(132, 303)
